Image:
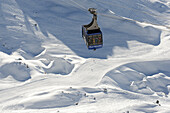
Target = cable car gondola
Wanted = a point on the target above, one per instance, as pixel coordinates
(91, 33)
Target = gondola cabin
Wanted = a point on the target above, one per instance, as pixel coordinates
(92, 34)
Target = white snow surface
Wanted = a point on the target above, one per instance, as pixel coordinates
(45, 66)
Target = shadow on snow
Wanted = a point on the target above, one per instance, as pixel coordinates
(63, 20)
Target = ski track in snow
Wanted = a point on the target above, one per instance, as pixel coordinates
(45, 66)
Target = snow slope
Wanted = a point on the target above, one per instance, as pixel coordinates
(46, 67)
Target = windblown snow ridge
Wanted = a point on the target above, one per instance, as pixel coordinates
(142, 77)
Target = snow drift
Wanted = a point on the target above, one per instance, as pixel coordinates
(141, 77)
(17, 70)
(59, 66)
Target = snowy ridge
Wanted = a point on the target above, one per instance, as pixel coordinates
(45, 65)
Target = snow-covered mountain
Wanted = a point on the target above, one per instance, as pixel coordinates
(45, 66)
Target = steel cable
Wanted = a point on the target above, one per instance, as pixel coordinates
(166, 28)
